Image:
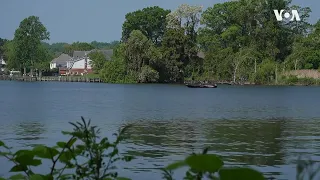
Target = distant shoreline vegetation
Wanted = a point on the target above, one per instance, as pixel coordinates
(236, 41)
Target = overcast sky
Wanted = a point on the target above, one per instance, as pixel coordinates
(84, 20)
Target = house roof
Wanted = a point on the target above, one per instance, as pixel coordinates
(108, 53)
(79, 54)
(63, 58)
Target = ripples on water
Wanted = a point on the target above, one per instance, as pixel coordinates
(260, 127)
(267, 144)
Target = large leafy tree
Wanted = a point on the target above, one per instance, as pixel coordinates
(248, 26)
(151, 21)
(98, 60)
(137, 51)
(187, 18)
(2, 43)
(173, 56)
(306, 51)
(10, 56)
(27, 41)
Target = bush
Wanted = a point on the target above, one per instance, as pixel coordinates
(291, 80)
(294, 80)
(148, 75)
(98, 156)
(265, 73)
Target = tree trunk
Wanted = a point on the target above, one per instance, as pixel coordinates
(235, 73)
(24, 71)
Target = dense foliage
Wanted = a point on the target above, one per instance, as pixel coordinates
(241, 41)
(238, 41)
(86, 155)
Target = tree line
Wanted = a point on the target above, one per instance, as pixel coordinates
(241, 41)
(232, 41)
(28, 51)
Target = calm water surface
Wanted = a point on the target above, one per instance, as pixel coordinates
(263, 127)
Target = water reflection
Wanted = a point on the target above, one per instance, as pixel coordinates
(262, 143)
(29, 131)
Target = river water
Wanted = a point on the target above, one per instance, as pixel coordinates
(266, 128)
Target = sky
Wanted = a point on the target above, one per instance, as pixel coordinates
(92, 20)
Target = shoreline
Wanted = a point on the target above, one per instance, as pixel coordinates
(98, 80)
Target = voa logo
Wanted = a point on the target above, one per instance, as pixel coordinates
(294, 15)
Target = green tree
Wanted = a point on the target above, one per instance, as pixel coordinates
(77, 46)
(151, 21)
(137, 52)
(148, 75)
(242, 57)
(171, 57)
(243, 25)
(55, 48)
(98, 60)
(104, 45)
(2, 43)
(43, 58)
(115, 70)
(187, 17)
(266, 73)
(27, 39)
(10, 56)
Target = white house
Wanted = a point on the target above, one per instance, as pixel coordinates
(77, 64)
(60, 61)
(80, 65)
(2, 64)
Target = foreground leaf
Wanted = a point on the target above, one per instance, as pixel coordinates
(17, 177)
(176, 165)
(45, 152)
(19, 168)
(205, 162)
(37, 177)
(240, 174)
(123, 178)
(26, 157)
(2, 143)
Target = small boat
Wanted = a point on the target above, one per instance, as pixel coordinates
(201, 86)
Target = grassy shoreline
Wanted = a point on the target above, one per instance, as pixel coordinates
(283, 81)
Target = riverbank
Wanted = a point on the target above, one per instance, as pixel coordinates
(284, 81)
(52, 78)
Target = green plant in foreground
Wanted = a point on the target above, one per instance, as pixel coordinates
(86, 156)
(208, 165)
(211, 167)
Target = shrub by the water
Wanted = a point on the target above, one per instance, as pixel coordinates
(88, 156)
(294, 80)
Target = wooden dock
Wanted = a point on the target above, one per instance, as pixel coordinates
(51, 78)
